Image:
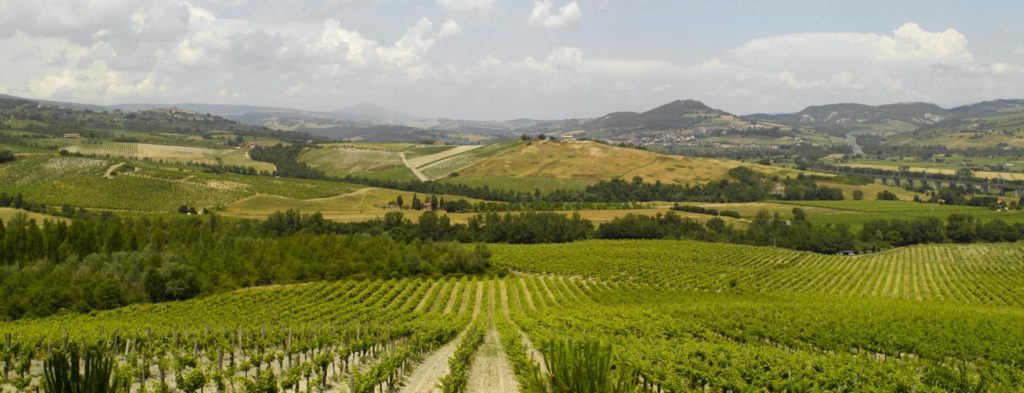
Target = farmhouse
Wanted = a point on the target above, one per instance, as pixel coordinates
(72, 136)
(568, 138)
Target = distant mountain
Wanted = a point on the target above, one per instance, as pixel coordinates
(677, 114)
(989, 108)
(370, 113)
(849, 117)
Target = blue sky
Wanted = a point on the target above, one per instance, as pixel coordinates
(502, 59)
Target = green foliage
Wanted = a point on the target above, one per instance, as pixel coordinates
(80, 371)
(586, 366)
(265, 382)
(459, 364)
(6, 156)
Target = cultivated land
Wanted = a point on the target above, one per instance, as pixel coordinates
(171, 154)
(550, 165)
(88, 182)
(699, 317)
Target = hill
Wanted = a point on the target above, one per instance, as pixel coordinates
(553, 165)
(840, 119)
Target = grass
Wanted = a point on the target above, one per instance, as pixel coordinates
(345, 161)
(544, 184)
(457, 163)
(421, 151)
(356, 205)
(578, 164)
(171, 153)
(81, 182)
(8, 213)
(856, 213)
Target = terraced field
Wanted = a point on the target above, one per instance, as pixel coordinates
(923, 319)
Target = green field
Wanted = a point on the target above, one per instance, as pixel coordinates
(456, 163)
(83, 182)
(344, 161)
(688, 316)
(171, 154)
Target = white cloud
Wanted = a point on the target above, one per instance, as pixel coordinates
(545, 14)
(911, 64)
(1019, 50)
(466, 5)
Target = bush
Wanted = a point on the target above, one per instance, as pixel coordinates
(887, 195)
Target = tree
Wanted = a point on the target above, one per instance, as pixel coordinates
(962, 173)
(858, 195)
(433, 202)
(417, 204)
(400, 202)
(6, 156)
(887, 195)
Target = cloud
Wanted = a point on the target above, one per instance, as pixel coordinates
(545, 14)
(466, 5)
(911, 64)
(1019, 50)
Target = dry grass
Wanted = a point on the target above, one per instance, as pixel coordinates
(7, 213)
(594, 162)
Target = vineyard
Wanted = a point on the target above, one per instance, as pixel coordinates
(991, 274)
(446, 167)
(85, 182)
(682, 318)
(369, 162)
(171, 154)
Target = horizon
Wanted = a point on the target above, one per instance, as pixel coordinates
(417, 116)
(494, 60)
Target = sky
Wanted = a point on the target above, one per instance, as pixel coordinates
(509, 59)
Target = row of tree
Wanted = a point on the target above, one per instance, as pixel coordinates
(101, 261)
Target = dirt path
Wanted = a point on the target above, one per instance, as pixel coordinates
(112, 169)
(453, 298)
(491, 371)
(426, 296)
(425, 378)
(419, 175)
(479, 299)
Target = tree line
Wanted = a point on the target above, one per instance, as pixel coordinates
(103, 261)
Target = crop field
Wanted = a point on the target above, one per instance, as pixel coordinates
(418, 159)
(344, 161)
(84, 182)
(355, 205)
(965, 274)
(687, 316)
(569, 165)
(856, 213)
(171, 154)
(945, 170)
(457, 163)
